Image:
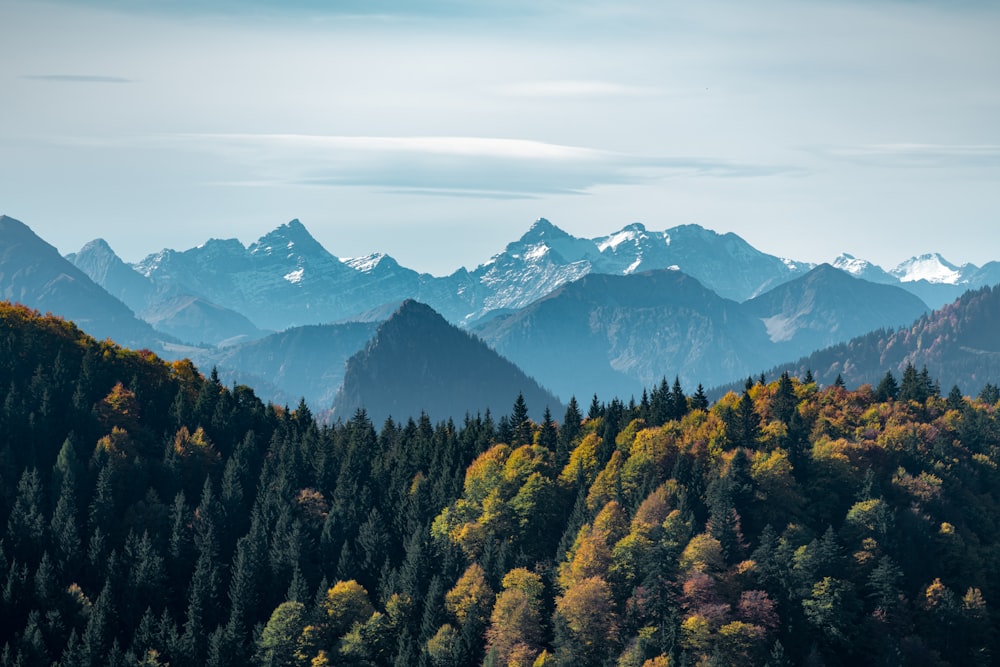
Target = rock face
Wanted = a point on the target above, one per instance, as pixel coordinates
(418, 362)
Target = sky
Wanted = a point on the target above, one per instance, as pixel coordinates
(438, 131)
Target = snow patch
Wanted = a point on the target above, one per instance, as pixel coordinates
(536, 252)
(364, 264)
(851, 264)
(295, 276)
(617, 239)
(634, 265)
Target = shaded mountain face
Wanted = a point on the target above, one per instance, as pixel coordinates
(957, 343)
(184, 316)
(107, 269)
(624, 333)
(199, 322)
(302, 362)
(827, 306)
(618, 334)
(418, 362)
(33, 273)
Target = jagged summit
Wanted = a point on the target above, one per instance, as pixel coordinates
(542, 230)
(291, 238)
(97, 245)
(372, 262)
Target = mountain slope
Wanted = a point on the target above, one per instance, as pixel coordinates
(618, 334)
(827, 306)
(33, 273)
(418, 362)
(198, 321)
(957, 343)
(107, 269)
(184, 316)
(302, 362)
(286, 278)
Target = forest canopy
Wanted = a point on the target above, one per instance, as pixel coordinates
(154, 516)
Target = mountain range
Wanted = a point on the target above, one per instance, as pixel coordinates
(613, 314)
(624, 333)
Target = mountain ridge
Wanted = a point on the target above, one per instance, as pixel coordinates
(419, 363)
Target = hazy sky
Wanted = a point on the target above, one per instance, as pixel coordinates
(438, 131)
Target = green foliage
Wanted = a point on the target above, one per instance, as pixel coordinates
(153, 516)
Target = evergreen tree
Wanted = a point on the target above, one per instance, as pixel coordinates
(680, 403)
(548, 436)
(26, 524)
(699, 401)
(595, 410)
(570, 429)
(520, 423)
(887, 388)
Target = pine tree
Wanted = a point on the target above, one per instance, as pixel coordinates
(595, 409)
(680, 404)
(571, 425)
(548, 436)
(520, 422)
(98, 635)
(699, 401)
(26, 526)
(887, 388)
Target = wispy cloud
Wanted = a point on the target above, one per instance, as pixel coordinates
(76, 78)
(572, 88)
(483, 167)
(918, 155)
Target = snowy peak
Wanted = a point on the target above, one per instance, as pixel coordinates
(633, 234)
(289, 240)
(862, 268)
(369, 263)
(931, 267)
(542, 230)
(544, 242)
(851, 264)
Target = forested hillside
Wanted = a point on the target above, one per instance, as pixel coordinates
(154, 516)
(957, 343)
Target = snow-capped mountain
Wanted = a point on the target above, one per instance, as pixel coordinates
(862, 268)
(544, 258)
(287, 278)
(933, 268)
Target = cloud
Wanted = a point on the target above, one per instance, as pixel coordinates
(481, 167)
(431, 9)
(76, 78)
(572, 88)
(917, 155)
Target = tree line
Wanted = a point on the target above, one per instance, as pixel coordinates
(155, 516)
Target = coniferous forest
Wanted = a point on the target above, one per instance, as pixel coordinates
(154, 516)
